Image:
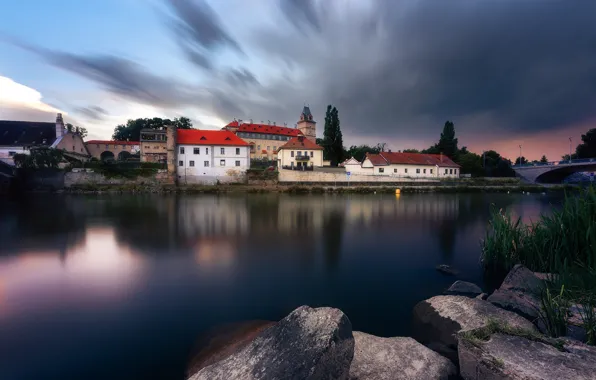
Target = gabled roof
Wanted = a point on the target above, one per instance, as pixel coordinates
(26, 133)
(300, 142)
(111, 142)
(388, 158)
(207, 137)
(264, 128)
(350, 161)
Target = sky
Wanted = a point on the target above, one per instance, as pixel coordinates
(506, 72)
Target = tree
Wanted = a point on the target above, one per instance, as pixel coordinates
(132, 130)
(523, 160)
(496, 166)
(410, 151)
(333, 146)
(543, 160)
(587, 149)
(39, 158)
(448, 142)
(360, 151)
(471, 163)
(566, 157)
(76, 129)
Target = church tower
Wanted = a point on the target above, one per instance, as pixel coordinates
(307, 125)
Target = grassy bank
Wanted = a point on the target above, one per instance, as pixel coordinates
(563, 244)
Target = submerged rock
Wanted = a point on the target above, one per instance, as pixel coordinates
(438, 320)
(446, 269)
(463, 288)
(377, 358)
(504, 356)
(307, 344)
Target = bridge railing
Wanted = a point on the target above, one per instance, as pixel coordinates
(555, 163)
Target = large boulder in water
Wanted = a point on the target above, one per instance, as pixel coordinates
(437, 321)
(504, 356)
(398, 358)
(307, 344)
(519, 293)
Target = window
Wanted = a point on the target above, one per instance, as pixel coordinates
(191, 163)
(123, 146)
(97, 145)
(292, 154)
(417, 171)
(181, 150)
(406, 170)
(454, 171)
(206, 164)
(206, 150)
(222, 162)
(268, 148)
(180, 163)
(312, 154)
(237, 151)
(222, 150)
(237, 163)
(445, 171)
(107, 146)
(395, 170)
(450, 171)
(274, 148)
(73, 148)
(11, 154)
(381, 170)
(431, 171)
(424, 171)
(258, 147)
(196, 151)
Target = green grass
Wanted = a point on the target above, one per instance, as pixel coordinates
(554, 312)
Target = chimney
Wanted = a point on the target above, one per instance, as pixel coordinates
(388, 150)
(59, 126)
(441, 156)
(251, 121)
(268, 122)
(274, 123)
(239, 121)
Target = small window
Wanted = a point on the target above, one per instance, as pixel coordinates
(258, 147)
(123, 146)
(395, 170)
(424, 171)
(191, 163)
(454, 171)
(312, 154)
(237, 151)
(445, 171)
(73, 148)
(222, 150)
(206, 164)
(97, 145)
(107, 146)
(268, 148)
(406, 170)
(237, 163)
(417, 171)
(381, 170)
(11, 154)
(450, 171)
(274, 148)
(196, 150)
(181, 150)
(206, 150)
(292, 154)
(180, 163)
(222, 162)
(431, 171)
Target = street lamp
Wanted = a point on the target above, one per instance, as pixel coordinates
(520, 155)
(570, 150)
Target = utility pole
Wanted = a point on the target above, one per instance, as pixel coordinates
(570, 150)
(520, 155)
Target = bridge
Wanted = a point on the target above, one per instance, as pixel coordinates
(553, 172)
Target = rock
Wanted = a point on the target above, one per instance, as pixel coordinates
(307, 344)
(519, 293)
(463, 288)
(378, 358)
(482, 296)
(222, 341)
(438, 319)
(513, 357)
(446, 269)
(545, 276)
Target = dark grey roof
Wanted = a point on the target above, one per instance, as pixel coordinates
(26, 133)
(306, 111)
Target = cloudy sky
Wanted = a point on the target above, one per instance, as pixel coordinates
(506, 72)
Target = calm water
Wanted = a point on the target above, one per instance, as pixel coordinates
(119, 287)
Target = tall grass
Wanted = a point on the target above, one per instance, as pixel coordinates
(554, 312)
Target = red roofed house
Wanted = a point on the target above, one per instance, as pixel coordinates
(412, 165)
(300, 153)
(265, 139)
(209, 157)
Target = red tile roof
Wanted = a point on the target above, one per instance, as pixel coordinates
(112, 142)
(264, 128)
(388, 158)
(300, 142)
(206, 137)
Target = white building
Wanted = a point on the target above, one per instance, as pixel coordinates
(209, 157)
(406, 165)
(298, 153)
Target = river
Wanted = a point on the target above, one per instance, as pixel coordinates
(120, 286)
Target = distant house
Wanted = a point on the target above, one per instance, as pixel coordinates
(22, 136)
(207, 157)
(112, 149)
(153, 145)
(300, 153)
(412, 165)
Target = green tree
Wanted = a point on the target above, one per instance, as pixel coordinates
(523, 160)
(333, 148)
(471, 163)
(39, 158)
(448, 142)
(543, 159)
(360, 151)
(76, 129)
(410, 151)
(132, 130)
(496, 166)
(587, 149)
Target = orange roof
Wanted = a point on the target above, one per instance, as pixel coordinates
(112, 142)
(264, 128)
(300, 142)
(388, 158)
(206, 137)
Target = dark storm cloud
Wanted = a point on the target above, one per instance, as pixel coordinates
(92, 112)
(242, 77)
(301, 13)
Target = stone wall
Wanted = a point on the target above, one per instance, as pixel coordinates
(82, 177)
(330, 177)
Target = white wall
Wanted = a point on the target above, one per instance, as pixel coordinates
(400, 170)
(358, 169)
(284, 157)
(199, 173)
(5, 150)
(339, 176)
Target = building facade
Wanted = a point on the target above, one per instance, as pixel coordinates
(266, 139)
(107, 150)
(211, 157)
(153, 144)
(406, 165)
(300, 153)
